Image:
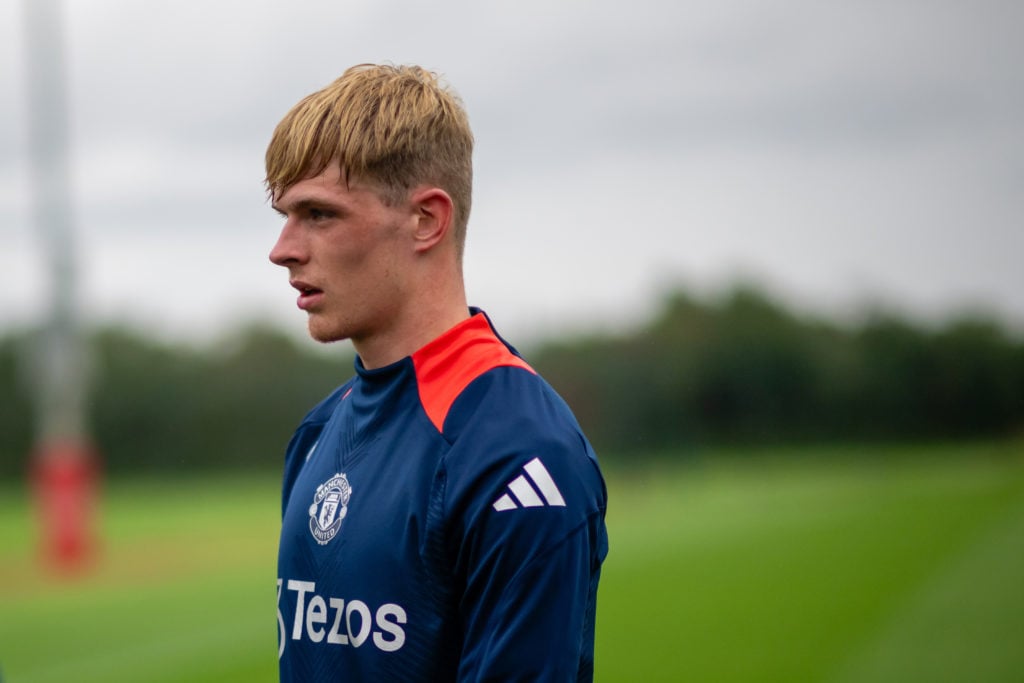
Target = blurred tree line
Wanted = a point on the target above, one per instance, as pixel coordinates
(740, 369)
(155, 406)
(744, 370)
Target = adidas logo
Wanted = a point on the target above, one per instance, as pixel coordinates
(533, 489)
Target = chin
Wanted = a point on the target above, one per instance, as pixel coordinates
(325, 333)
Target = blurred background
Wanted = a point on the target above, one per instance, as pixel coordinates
(771, 254)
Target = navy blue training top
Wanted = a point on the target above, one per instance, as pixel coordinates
(443, 520)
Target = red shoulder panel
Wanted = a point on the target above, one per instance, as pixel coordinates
(447, 365)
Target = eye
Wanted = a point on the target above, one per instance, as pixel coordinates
(319, 214)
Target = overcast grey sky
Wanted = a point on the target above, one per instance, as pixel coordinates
(839, 152)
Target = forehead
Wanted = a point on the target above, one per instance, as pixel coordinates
(327, 187)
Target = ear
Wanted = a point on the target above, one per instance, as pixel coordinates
(434, 210)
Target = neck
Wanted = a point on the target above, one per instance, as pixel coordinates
(420, 319)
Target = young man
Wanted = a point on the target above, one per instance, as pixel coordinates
(443, 514)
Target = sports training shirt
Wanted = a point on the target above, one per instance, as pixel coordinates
(443, 519)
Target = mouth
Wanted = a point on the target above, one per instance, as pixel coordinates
(309, 296)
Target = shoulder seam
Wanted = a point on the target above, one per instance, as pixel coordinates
(445, 367)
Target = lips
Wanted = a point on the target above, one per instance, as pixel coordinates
(309, 296)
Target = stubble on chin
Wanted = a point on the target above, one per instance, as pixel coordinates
(324, 333)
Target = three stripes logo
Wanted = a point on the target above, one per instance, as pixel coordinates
(533, 488)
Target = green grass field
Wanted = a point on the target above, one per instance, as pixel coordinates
(859, 564)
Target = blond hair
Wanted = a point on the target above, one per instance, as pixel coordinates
(395, 126)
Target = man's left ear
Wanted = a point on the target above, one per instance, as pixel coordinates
(434, 210)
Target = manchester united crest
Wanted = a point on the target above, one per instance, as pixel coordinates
(330, 505)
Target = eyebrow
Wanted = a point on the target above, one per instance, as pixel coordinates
(305, 204)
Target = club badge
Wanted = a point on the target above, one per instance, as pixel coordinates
(330, 505)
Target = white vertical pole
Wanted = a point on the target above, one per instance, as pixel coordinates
(61, 375)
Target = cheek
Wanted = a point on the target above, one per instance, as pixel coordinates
(344, 259)
(367, 261)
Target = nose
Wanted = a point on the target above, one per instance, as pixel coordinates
(289, 249)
